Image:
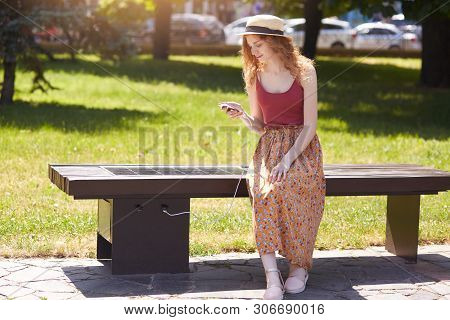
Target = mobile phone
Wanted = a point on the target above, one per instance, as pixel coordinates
(224, 106)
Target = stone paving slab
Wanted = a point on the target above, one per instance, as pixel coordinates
(369, 274)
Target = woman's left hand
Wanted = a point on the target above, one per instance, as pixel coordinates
(279, 172)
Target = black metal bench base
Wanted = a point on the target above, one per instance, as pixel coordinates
(139, 238)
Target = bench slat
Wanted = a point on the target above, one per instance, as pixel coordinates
(93, 182)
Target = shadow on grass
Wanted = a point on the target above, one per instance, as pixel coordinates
(201, 76)
(380, 99)
(65, 117)
(197, 76)
(427, 119)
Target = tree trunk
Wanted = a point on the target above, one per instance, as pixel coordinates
(435, 70)
(71, 42)
(313, 16)
(9, 75)
(161, 38)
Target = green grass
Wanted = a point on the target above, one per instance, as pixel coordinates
(371, 113)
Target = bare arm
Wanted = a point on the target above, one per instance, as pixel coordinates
(310, 116)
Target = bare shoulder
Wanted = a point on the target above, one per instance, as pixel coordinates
(309, 68)
(309, 76)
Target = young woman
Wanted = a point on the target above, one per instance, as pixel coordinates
(286, 182)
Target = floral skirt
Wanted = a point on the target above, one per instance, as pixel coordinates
(286, 214)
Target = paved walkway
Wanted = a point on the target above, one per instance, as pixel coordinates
(337, 274)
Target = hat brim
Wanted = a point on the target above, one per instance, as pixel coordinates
(263, 33)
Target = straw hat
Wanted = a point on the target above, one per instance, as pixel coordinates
(265, 24)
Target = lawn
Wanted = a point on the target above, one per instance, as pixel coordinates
(370, 111)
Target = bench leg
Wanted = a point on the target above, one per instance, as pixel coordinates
(402, 226)
(146, 240)
(104, 229)
(103, 248)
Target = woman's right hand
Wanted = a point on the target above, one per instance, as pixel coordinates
(236, 111)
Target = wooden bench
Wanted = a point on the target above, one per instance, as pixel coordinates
(138, 237)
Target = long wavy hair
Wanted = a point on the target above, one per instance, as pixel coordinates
(284, 47)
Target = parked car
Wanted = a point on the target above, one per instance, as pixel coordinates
(411, 41)
(49, 34)
(407, 26)
(379, 35)
(187, 29)
(191, 28)
(334, 33)
(233, 29)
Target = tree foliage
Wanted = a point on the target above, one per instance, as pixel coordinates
(433, 15)
(296, 9)
(105, 31)
(17, 19)
(129, 14)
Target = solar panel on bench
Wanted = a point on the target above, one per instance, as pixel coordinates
(120, 171)
(173, 170)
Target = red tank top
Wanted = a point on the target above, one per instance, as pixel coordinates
(281, 108)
